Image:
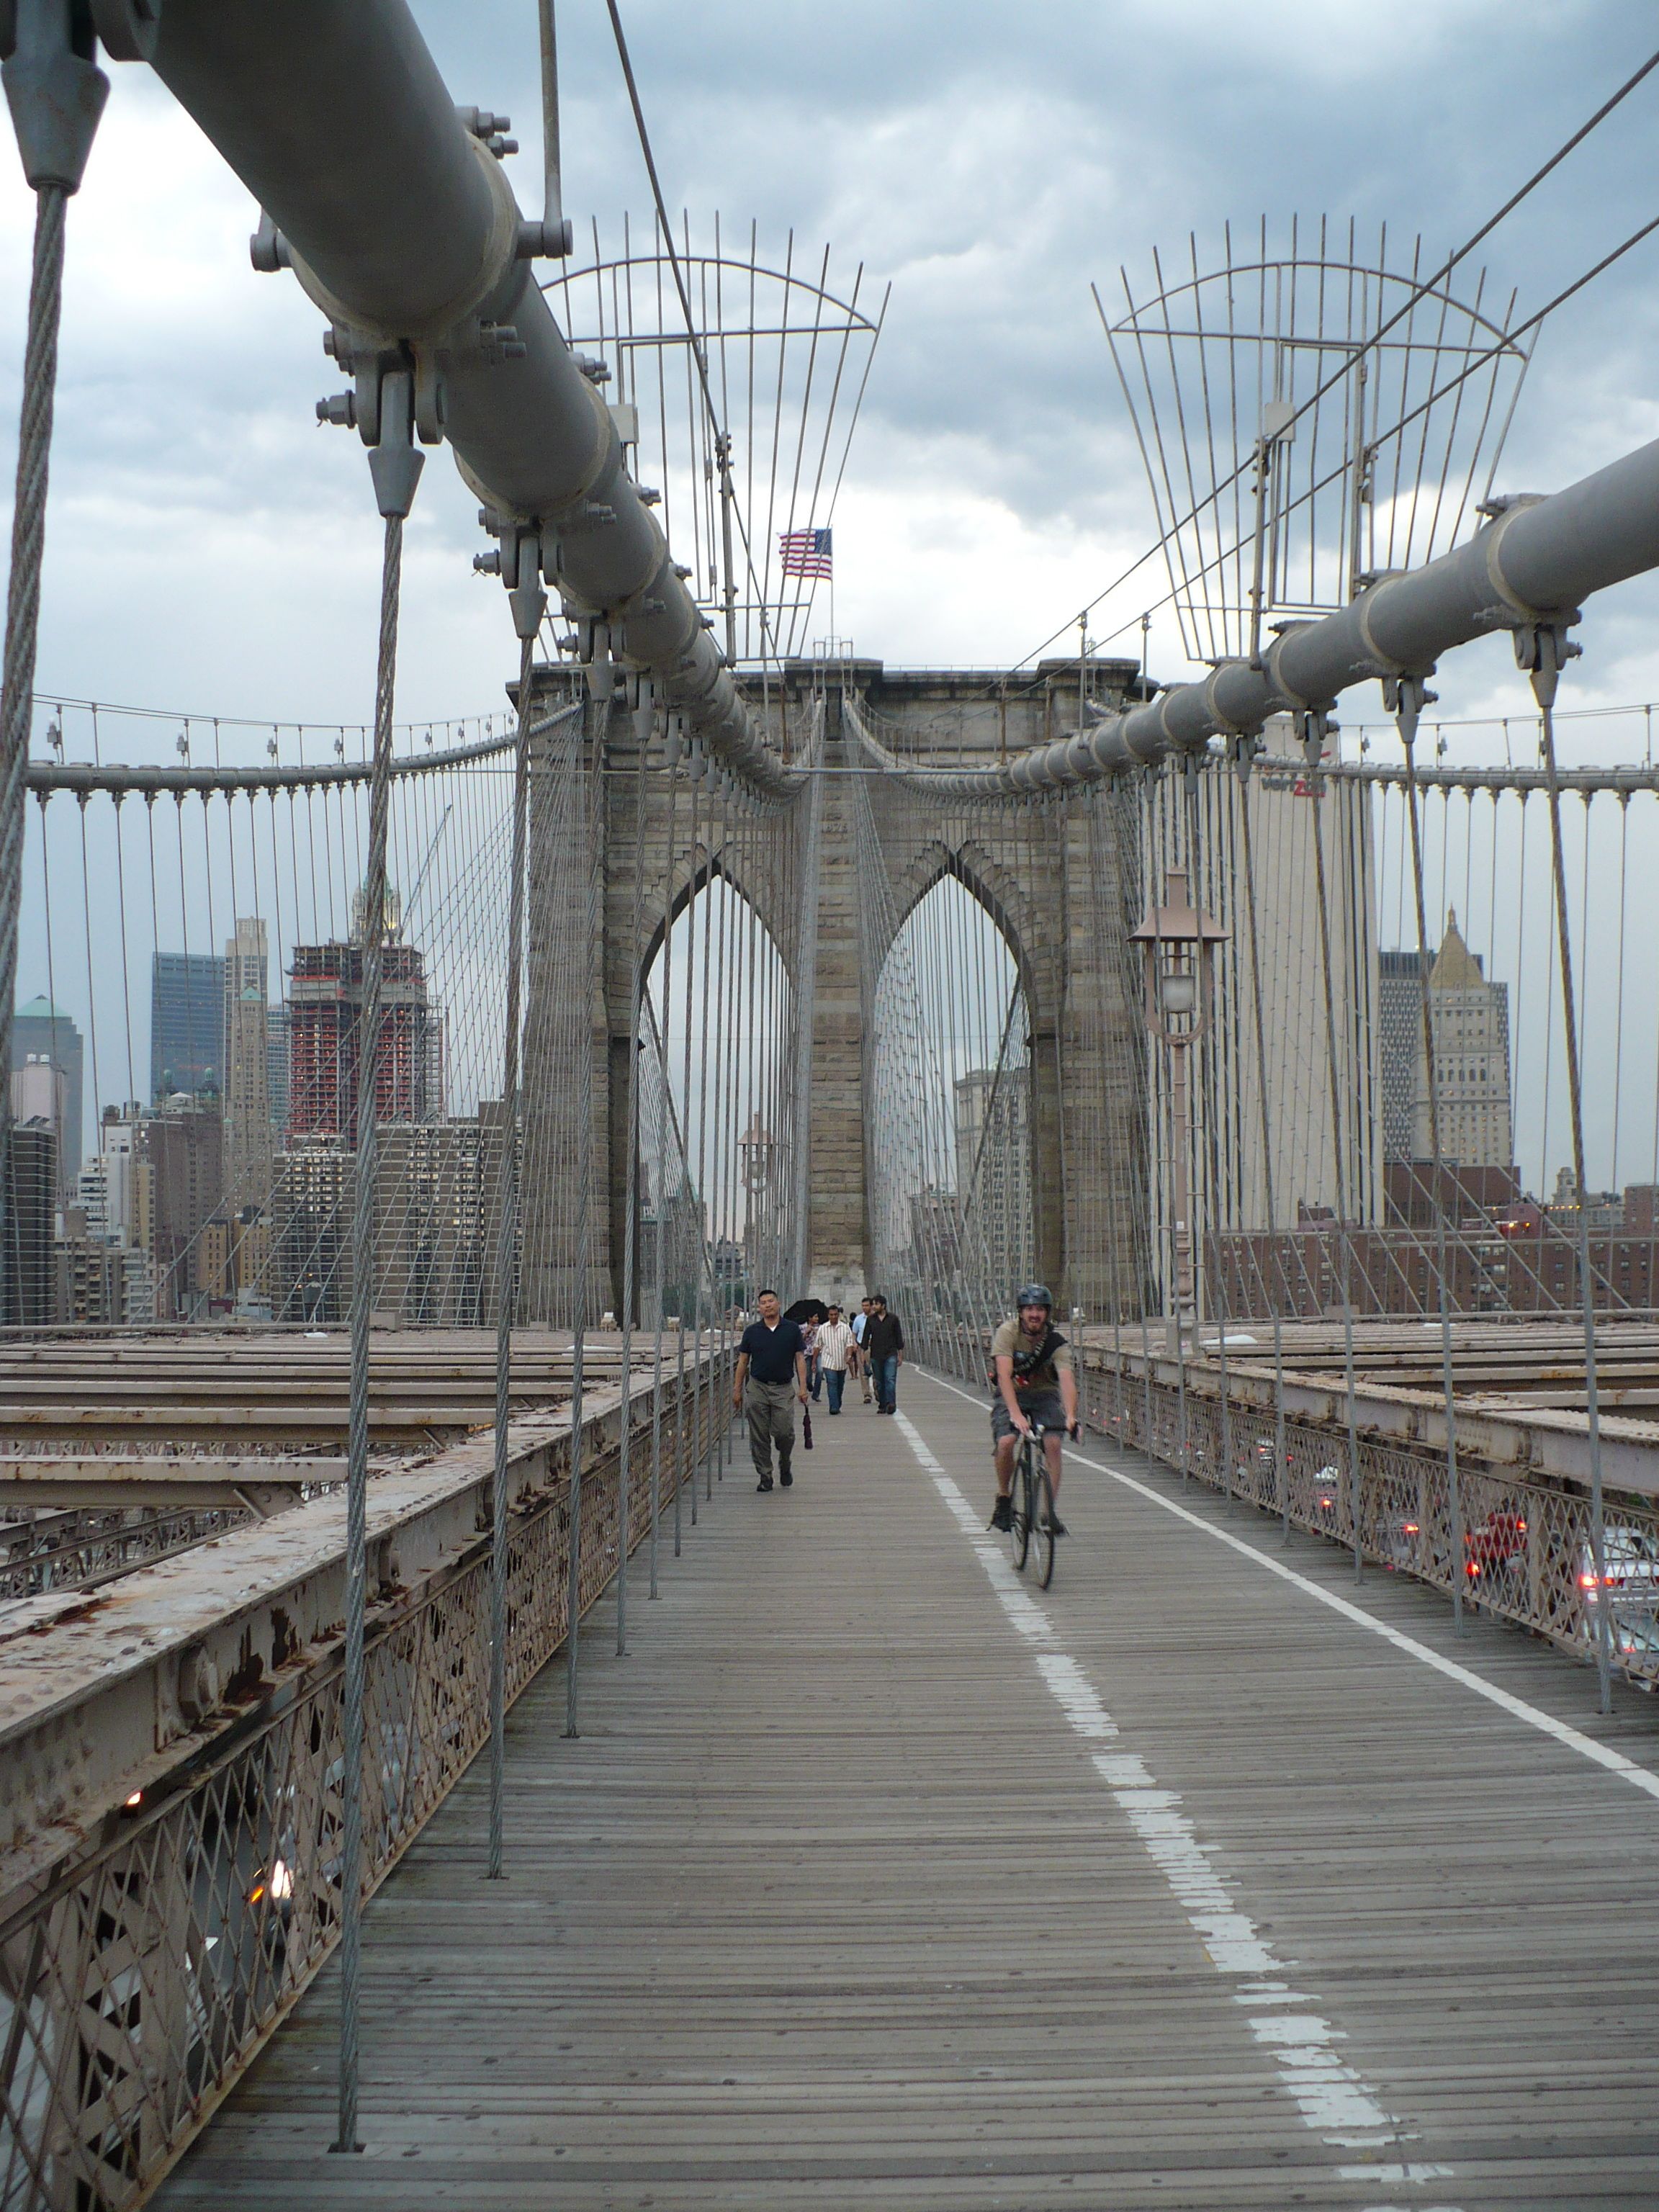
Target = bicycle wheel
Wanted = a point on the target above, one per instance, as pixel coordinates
(1043, 1530)
(1019, 1504)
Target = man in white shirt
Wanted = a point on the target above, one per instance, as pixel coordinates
(836, 1344)
(861, 1322)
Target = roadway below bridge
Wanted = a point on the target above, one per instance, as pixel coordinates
(879, 1878)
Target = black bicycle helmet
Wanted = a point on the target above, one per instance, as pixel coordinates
(1035, 1294)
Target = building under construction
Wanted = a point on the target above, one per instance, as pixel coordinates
(325, 1001)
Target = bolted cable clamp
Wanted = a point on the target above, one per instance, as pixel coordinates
(545, 241)
(268, 250)
(501, 342)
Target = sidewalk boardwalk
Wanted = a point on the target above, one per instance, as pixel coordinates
(878, 1879)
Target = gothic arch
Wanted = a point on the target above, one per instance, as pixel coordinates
(996, 889)
(694, 873)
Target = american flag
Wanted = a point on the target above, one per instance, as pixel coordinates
(805, 552)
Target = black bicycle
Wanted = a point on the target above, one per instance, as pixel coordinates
(1032, 1507)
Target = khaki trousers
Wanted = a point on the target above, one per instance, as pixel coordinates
(770, 1408)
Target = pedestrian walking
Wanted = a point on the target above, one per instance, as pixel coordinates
(883, 1348)
(860, 1323)
(771, 1376)
(808, 1329)
(835, 1350)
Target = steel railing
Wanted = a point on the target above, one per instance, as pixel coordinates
(1525, 1553)
(141, 1974)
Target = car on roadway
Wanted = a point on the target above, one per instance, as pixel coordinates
(1630, 1583)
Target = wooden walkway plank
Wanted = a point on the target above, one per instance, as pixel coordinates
(831, 1906)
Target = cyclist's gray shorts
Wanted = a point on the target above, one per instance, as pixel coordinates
(1042, 1407)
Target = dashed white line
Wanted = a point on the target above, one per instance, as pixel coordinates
(1615, 1762)
(1332, 2097)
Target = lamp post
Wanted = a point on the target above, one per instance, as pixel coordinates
(757, 1149)
(1178, 942)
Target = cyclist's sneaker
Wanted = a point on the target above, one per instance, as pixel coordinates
(1002, 1514)
(1056, 1526)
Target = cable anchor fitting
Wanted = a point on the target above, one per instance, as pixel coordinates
(54, 88)
(1316, 728)
(1405, 697)
(1543, 649)
(395, 461)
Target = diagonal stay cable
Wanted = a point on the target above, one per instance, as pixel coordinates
(1432, 398)
(1416, 292)
(691, 332)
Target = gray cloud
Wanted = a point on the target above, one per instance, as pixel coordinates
(208, 547)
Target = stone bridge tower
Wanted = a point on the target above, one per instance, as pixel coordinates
(1047, 874)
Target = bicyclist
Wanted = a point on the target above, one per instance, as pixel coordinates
(1031, 1363)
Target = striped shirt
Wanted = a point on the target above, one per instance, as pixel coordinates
(835, 1342)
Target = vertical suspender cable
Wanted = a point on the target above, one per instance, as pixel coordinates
(56, 98)
(1545, 673)
(806, 1014)
(1319, 784)
(662, 1177)
(396, 466)
(23, 591)
(1281, 1472)
(693, 1214)
(704, 1181)
(1409, 696)
(556, 237)
(590, 762)
(507, 1268)
(631, 1195)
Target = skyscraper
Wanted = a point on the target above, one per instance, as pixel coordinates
(187, 1025)
(1470, 1021)
(248, 1145)
(277, 1068)
(325, 999)
(993, 1172)
(1399, 1046)
(185, 1150)
(41, 1031)
(27, 1279)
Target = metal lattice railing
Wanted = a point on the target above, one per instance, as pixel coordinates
(138, 1980)
(75, 1549)
(1525, 1549)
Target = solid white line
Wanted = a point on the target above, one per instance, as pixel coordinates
(1328, 2093)
(1615, 1762)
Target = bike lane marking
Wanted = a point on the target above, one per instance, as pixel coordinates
(1332, 2097)
(1628, 1770)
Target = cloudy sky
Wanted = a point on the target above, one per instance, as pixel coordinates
(209, 549)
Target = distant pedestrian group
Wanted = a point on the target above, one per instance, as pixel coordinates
(781, 1363)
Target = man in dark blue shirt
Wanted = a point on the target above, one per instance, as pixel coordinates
(771, 1376)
